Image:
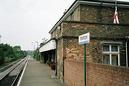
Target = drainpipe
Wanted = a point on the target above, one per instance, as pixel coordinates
(127, 37)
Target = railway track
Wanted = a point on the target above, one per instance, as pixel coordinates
(10, 76)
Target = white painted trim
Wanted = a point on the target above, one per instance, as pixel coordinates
(110, 42)
(20, 79)
(110, 53)
(118, 59)
(51, 45)
(119, 56)
(126, 54)
(103, 4)
(110, 59)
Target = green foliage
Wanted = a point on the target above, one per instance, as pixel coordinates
(18, 52)
(30, 53)
(1, 56)
(9, 53)
(36, 54)
(6, 51)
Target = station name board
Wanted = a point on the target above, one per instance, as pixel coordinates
(84, 39)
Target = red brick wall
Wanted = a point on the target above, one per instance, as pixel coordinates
(98, 74)
(105, 75)
(73, 73)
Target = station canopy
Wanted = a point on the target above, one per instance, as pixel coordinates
(50, 45)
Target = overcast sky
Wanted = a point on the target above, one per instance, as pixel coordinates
(22, 22)
(25, 21)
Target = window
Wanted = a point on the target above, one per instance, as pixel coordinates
(106, 59)
(115, 59)
(114, 49)
(106, 48)
(111, 54)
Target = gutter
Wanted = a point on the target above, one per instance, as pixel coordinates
(88, 2)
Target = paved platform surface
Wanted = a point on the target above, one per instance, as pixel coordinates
(38, 74)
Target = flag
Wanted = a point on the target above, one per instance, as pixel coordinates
(115, 17)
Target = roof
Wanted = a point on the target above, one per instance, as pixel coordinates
(76, 3)
(49, 45)
(108, 1)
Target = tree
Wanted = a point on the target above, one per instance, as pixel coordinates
(1, 55)
(18, 52)
(6, 51)
(9, 53)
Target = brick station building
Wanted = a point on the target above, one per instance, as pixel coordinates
(107, 52)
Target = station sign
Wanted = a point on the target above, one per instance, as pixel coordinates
(84, 38)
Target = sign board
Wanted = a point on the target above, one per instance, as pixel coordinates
(84, 39)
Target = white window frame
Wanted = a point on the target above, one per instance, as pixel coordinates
(110, 53)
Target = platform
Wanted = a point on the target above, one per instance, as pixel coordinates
(38, 74)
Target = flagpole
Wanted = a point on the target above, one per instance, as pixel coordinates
(115, 4)
(116, 19)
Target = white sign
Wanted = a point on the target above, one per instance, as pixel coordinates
(84, 39)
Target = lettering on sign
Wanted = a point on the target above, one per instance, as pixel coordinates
(84, 39)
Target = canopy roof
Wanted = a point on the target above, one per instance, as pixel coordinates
(50, 45)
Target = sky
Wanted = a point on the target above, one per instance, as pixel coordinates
(26, 22)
